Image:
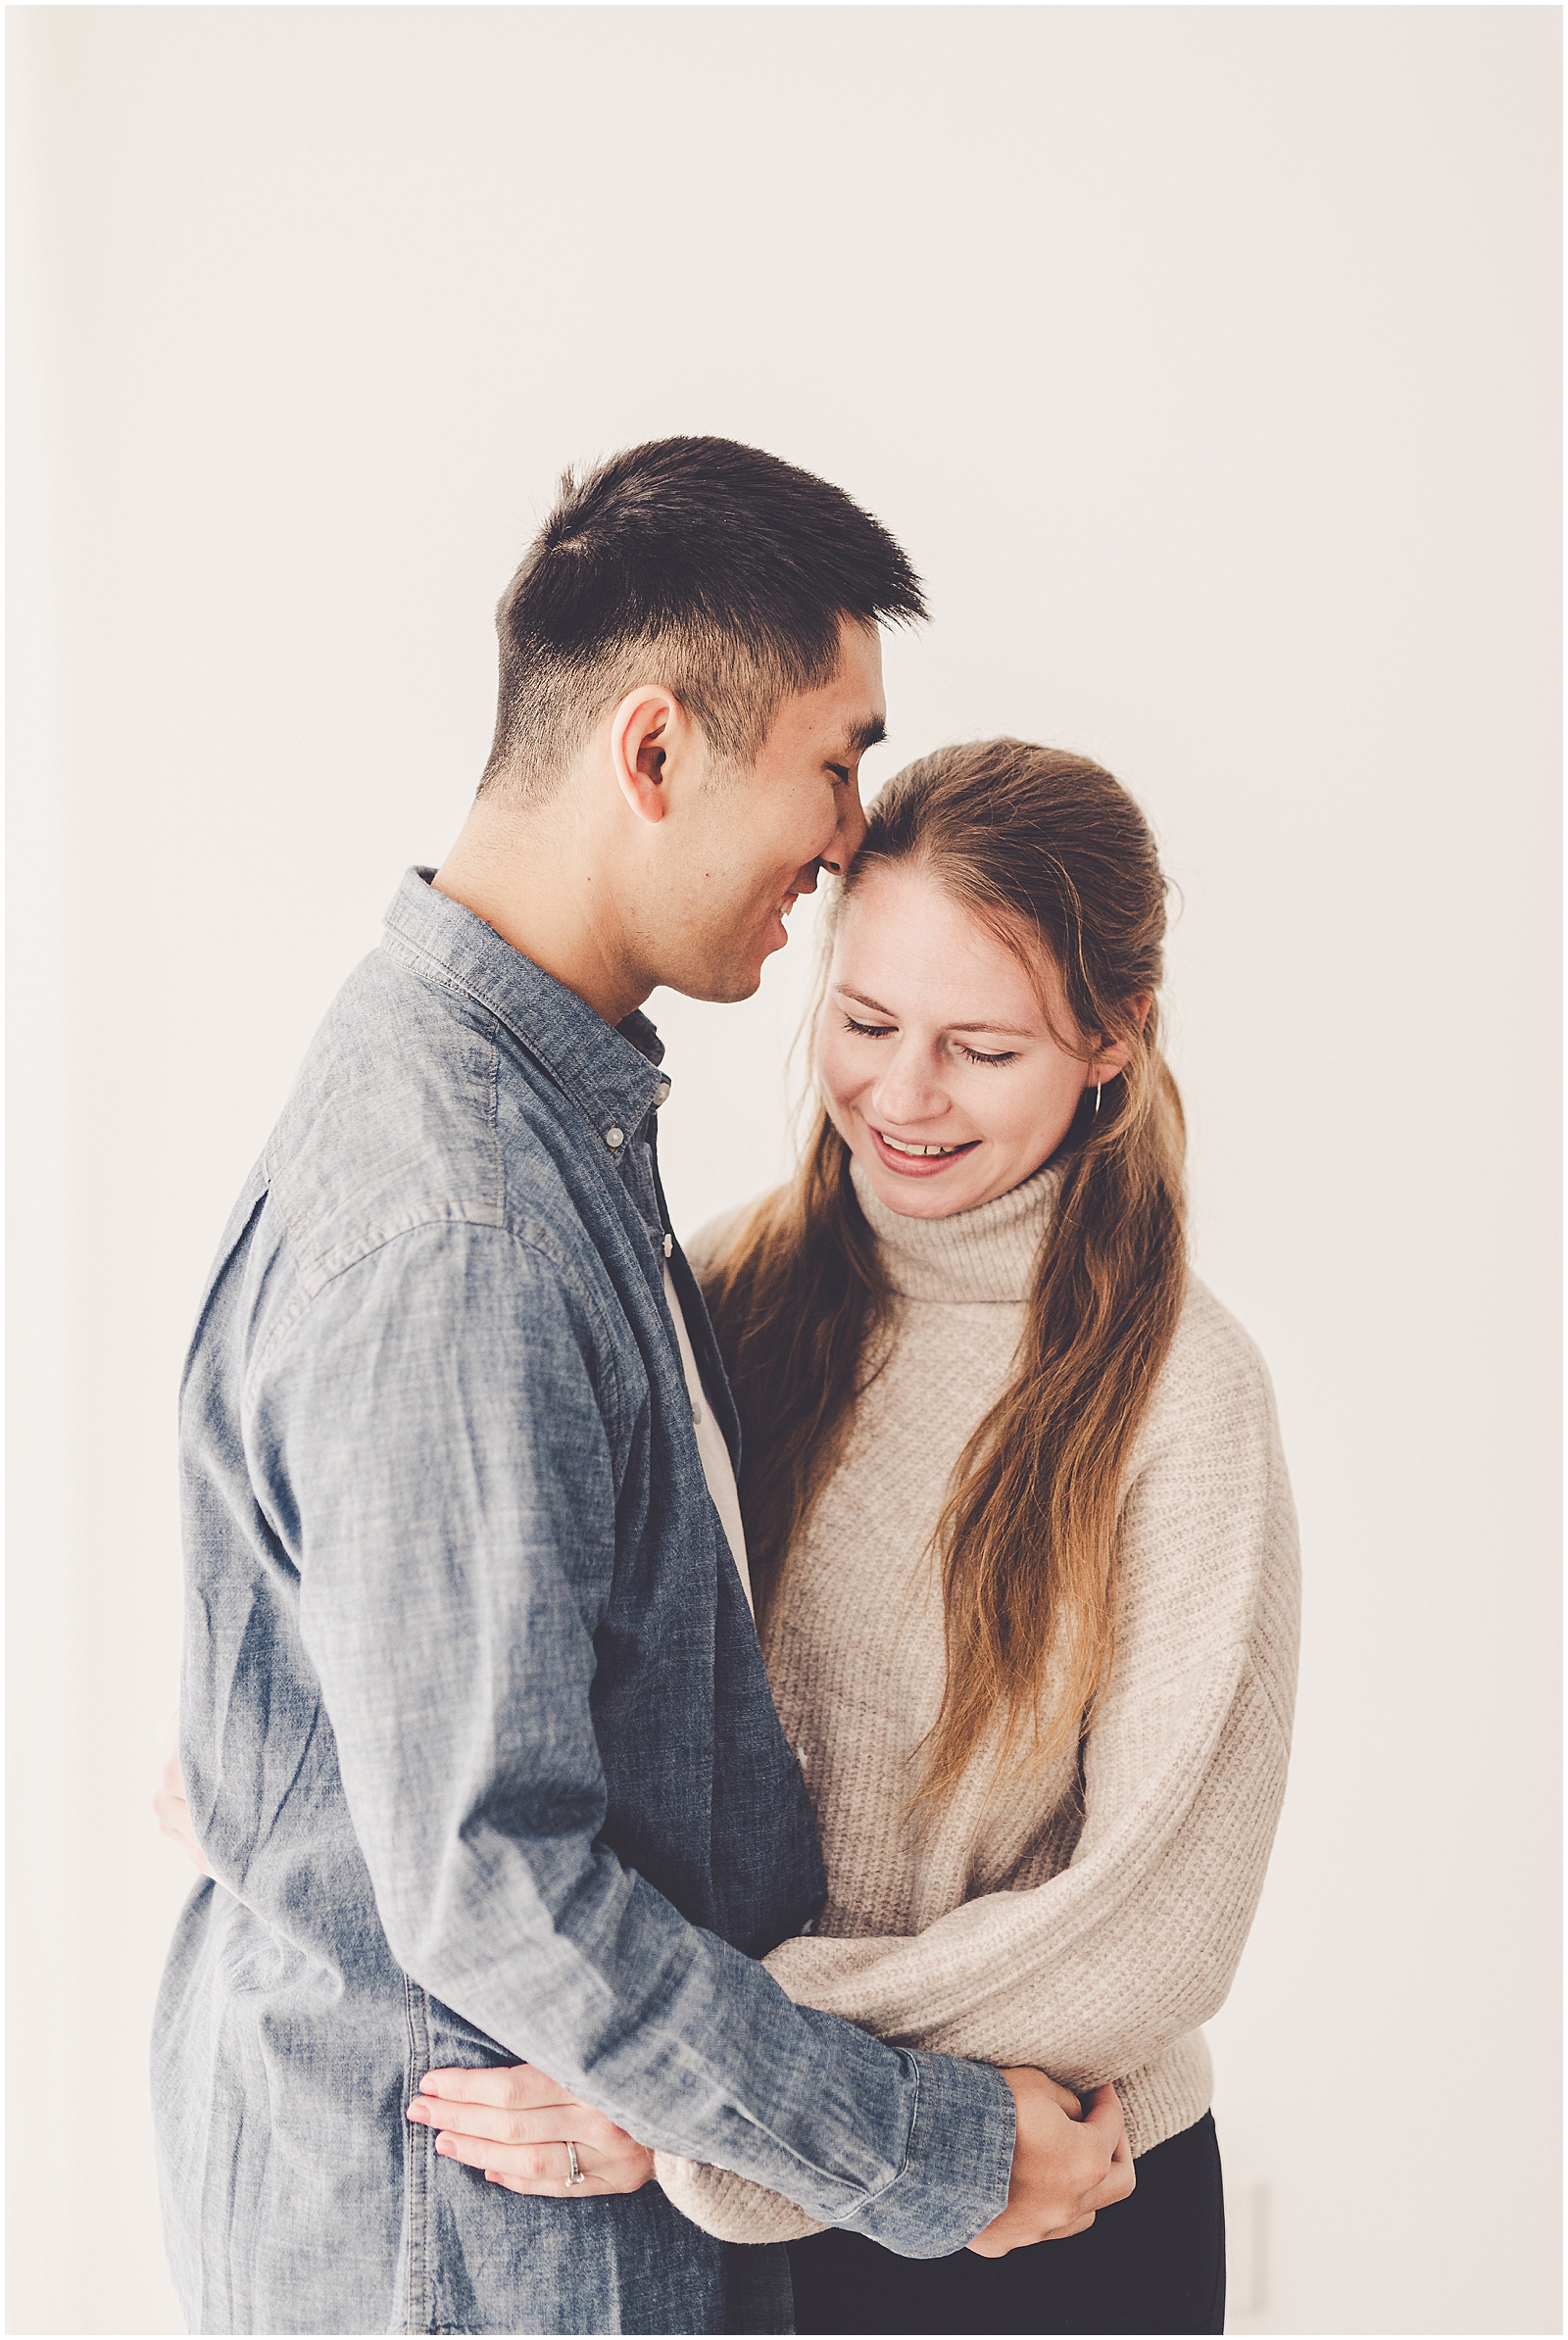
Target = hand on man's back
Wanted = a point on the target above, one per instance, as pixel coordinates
(170, 1808)
(513, 2122)
(1066, 2164)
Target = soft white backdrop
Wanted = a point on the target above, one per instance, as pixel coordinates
(1205, 360)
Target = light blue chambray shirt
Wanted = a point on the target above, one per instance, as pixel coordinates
(476, 1728)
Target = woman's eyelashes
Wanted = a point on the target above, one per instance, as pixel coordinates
(882, 1031)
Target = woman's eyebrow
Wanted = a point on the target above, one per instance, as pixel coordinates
(1008, 1031)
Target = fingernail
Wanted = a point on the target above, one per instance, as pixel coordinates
(443, 2145)
(418, 2112)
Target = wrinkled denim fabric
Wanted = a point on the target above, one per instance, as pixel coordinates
(477, 1735)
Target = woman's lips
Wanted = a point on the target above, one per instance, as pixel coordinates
(919, 1165)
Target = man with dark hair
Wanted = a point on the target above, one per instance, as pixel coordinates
(737, 566)
(476, 1737)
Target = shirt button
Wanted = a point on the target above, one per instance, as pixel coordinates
(662, 1090)
(614, 1138)
(670, 1244)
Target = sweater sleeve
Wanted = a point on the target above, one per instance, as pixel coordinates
(1095, 1973)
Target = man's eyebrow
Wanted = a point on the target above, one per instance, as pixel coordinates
(1008, 1031)
(866, 735)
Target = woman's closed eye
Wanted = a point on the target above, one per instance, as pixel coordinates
(972, 1055)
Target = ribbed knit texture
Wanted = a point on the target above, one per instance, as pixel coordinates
(1087, 1931)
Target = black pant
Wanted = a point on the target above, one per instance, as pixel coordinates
(1155, 2263)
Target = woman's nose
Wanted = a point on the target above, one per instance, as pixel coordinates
(907, 1093)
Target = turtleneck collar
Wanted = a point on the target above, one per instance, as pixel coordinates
(984, 1254)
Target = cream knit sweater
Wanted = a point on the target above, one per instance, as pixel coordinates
(1085, 1929)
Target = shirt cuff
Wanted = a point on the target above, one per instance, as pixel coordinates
(958, 2165)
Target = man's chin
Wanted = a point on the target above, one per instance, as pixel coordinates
(723, 986)
(737, 979)
(727, 989)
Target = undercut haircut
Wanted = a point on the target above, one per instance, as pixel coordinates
(709, 567)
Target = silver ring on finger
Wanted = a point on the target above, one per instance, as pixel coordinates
(576, 2174)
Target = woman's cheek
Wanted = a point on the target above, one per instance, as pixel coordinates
(837, 1075)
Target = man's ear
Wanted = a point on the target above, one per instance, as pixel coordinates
(648, 730)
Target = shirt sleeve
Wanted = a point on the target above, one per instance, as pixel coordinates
(451, 1503)
(1097, 1973)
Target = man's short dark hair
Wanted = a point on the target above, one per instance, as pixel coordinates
(711, 567)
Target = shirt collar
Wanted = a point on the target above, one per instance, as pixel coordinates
(612, 1073)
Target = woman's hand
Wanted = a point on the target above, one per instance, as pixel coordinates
(170, 1807)
(513, 2122)
(1070, 2160)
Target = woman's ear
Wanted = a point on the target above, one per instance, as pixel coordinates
(1107, 1062)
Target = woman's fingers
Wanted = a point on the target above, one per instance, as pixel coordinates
(546, 2169)
(532, 2162)
(557, 2189)
(170, 1807)
(513, 2122)
(510, 2087)
(483, 2124)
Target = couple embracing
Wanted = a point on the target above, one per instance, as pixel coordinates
(728, 1785)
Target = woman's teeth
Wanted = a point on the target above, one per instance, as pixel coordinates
(897, 1145)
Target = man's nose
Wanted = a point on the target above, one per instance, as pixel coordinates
(850, 835)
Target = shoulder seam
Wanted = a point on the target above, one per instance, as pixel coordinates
(450, 1216)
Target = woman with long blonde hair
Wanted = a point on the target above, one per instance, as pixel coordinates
(1020, 1538)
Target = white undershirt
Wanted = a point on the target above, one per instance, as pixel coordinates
(718, 1468)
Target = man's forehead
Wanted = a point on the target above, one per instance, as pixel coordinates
(843, 723)
(847, 713)
(858, 685)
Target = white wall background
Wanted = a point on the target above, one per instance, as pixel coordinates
(1204, 359)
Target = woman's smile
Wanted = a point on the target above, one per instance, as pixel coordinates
(907, 1158)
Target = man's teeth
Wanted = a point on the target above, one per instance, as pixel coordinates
(898, 1147)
